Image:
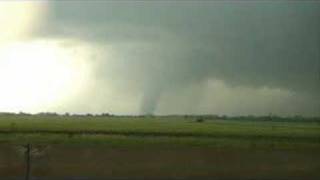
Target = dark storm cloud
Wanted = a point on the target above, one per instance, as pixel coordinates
(166, 46)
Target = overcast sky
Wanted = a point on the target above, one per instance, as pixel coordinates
(191, 57)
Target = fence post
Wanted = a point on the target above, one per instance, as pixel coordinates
(28, 161)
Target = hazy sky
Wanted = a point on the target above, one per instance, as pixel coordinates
(178, 57)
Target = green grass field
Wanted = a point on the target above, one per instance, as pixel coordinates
(158, 147)
(175, 130)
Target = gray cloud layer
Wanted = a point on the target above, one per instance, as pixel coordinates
(160, 48)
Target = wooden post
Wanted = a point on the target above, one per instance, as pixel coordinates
(28, 161)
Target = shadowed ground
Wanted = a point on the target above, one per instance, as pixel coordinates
(96, 162)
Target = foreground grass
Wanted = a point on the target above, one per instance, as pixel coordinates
(154, 142)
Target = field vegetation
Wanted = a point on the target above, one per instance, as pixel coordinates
(158, 130)
(158, 147)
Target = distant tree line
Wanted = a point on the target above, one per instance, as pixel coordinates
(274, 118)
(197, 118)
(52, 114)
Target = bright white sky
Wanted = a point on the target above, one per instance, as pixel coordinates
(35, 74)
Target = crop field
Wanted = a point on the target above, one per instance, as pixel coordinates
(158, 147)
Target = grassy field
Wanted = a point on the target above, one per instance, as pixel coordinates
(175, 147)
(175, 130)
